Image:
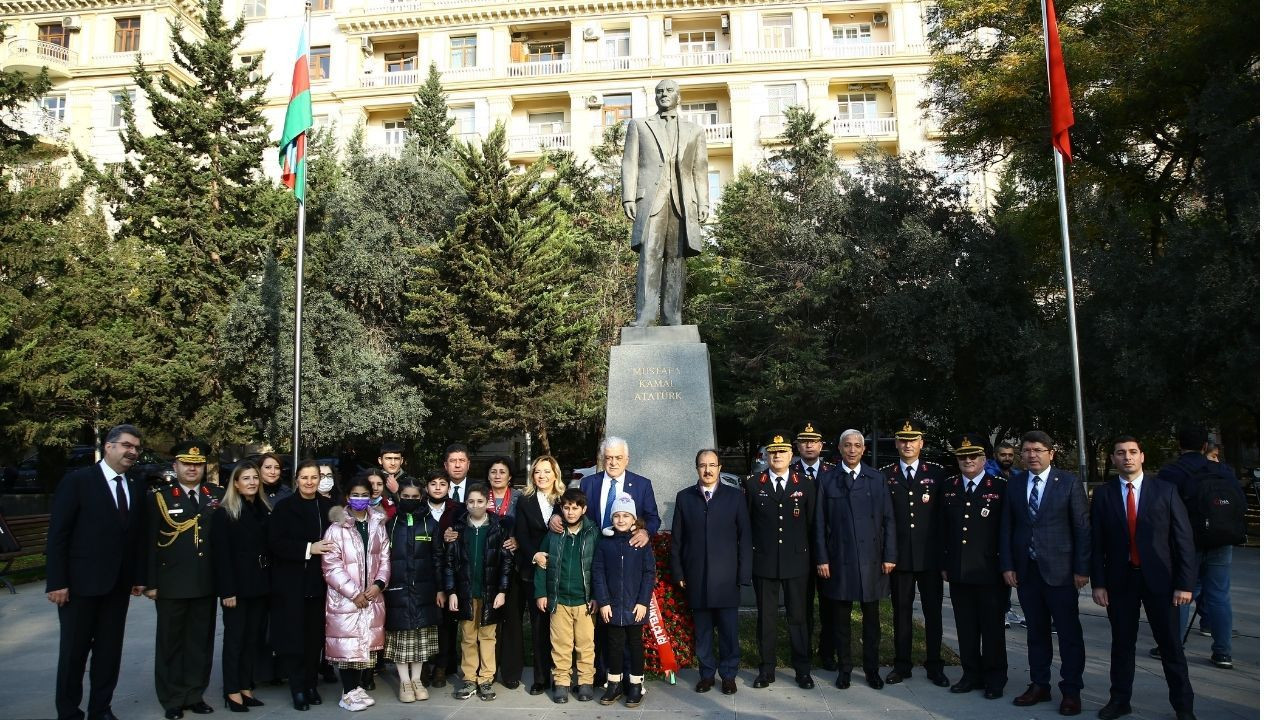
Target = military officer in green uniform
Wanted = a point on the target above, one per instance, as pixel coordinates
(972, 503)
(180, 580)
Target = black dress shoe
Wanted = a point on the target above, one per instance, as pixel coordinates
(729, 687)
(514, 684)
(173, 713)
(1113, 710)
(939, 679)
(704, 685)
(842, 681)
(299, 702)
(894, 677)
(1034, 694)
(200, 708)
(761, 681)
(804, 680)
(313, 697)
(537, 688)
(991, 694)
(963, 686)
(873, 679)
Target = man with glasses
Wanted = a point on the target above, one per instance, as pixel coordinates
(95, 558)
(783, 505)
(1044, 554)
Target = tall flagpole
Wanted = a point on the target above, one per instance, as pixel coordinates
(1066, 268)
(297, 298)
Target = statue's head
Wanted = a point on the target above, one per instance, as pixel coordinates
(667, 95)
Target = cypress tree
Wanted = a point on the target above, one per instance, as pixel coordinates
(429, 123)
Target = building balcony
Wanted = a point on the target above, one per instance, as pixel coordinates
(719, 133)
(697, 59)
(385, 7)
(395, 78)
(32, 56)
(539, 68)
(859, 50)
(612, 64)
(775, 55)
(465, 74)
(549, 136)
(878, 127)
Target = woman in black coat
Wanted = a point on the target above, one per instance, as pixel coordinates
(243, 580)
(510, 653)
(536, 509)
(412, 614)
(296, 538)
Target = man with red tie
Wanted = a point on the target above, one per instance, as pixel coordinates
(1143, 556)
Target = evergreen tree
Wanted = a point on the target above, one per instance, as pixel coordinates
(500, 323)
(194, 193)
(429, 123)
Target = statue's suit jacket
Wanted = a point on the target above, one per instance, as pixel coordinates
(645, 180)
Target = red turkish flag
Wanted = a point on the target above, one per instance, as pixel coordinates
(1061, 117)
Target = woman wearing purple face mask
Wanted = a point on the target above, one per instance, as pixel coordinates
(356, 572)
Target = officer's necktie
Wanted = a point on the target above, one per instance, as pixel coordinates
(608, 502)
(122, 500)
(810, 471)
(1132, 512)
(777, 485)
(192, 494)
(911, 474)
(972, 485)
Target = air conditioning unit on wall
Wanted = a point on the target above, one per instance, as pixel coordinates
(366, 45)
(594, 101)
(590, 33)
(880, 19)
(71, 22)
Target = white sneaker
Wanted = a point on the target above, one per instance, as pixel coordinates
(364, 696)
(352, 702)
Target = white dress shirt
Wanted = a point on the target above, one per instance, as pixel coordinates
(111, 476)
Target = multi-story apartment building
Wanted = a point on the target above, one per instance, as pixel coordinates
(556, 72)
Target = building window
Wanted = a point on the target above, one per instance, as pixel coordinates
(616, 44)
(394, 132)
(246, 62)
(319, 60)
(254, 9)
(128, 34)
(776, 31)
(851, 34)
(546, 123)
(400, 61)
(713, 187)
(698, 41)
(616, 109)
(119, 98)
(856, 106)
(53, 33)
(780, 97)
(462, 51)
(323, 5)
(703, 113)
(56, 106)
(464, 119)
(545, 51)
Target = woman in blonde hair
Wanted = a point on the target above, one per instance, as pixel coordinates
(537, 511)
(241, 574)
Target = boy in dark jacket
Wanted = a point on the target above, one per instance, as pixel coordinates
(477, 571)
(622, 579)
(562, 586)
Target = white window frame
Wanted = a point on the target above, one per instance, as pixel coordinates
(714, 188)
(705, 113)
(395, 132)
(857, 106)
(463, 54)
(546, 122)
(56, 105)
(705, 41)
(777, 32)
(775, 95)
(116, 118)
(253, 9)
(851, 33)
(616, 44)
(464, 119)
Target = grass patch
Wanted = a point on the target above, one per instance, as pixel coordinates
(29, 568)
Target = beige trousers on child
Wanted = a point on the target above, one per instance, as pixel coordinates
(478, 643)
(572, 629)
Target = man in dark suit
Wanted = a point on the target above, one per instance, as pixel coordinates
(180, 580)
(94, 561)
(809, 463)
(1044, 553)
(783, 505)
(971, 512)
(915, 488)
(711, 560)
(855, 545)
(1143, 555)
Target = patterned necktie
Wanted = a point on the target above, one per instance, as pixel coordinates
(1033, 507)
(1132, 512)
(122, 500)
(608, 503)
(811, 472)
(457, 493)
(707, 493)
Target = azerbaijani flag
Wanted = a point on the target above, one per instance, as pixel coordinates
(1061, 116)
(297, 120)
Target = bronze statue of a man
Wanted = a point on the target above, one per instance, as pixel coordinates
(664, 193)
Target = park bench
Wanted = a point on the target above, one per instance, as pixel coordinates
(29, 532)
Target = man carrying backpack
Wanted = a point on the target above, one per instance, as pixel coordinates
(1216, 507)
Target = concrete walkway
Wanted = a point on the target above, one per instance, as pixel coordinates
(29, 642)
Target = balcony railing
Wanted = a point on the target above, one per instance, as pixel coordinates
(719, 133)
(44, 52)
(630, 62)
(697, 59)
(462, 74)
(539, 68)
(858, 50)
(865, 127)
(393, 6)
(547, 136)
(395, 78)
(772, 55)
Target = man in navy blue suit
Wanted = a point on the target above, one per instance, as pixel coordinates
(1044, 553)
(95, 561)
(602, 489)
(1143, 555)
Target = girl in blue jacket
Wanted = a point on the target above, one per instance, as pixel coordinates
(622, 579)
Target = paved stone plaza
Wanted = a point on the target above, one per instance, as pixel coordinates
(29, 654)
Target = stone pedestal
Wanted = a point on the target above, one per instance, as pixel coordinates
(660, 403)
